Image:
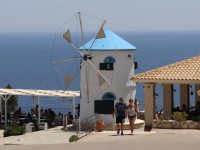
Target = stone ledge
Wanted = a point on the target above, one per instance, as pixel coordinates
(109, 127)
(138, 124)
(172, 124)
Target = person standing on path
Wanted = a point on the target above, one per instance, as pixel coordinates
(132, 112)
(120, 111)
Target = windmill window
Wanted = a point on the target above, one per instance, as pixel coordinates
(109, 96)
(106, 66)
(136, 65)
(108, 63)
(109, 59)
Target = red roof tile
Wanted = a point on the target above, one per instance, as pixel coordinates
(188, 69)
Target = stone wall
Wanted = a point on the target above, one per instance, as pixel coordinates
(172, 124)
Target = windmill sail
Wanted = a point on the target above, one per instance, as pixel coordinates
(130, 83)
(68, 80)
(101, 34)
(67, 36)
(101, 80)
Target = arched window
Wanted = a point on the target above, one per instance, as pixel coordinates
(109, 96)
(109, 59)
(107, 64)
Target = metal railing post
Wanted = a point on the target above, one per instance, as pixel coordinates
(0, 105)
(95, 119)
(66, 123)
(86, 126)
(79, 124)
(63, 120)
(6, 119)
(113, 123)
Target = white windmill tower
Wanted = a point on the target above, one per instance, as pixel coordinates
(107, 64)
(114, 58)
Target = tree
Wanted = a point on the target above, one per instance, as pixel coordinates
(12, 101)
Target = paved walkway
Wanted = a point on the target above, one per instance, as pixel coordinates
(49, 136)
(157, 139)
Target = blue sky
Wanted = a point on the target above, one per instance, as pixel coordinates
(121, 15)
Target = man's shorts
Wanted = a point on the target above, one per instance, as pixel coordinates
(120, 119)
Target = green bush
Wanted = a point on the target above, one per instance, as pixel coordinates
(196, 118)
(73, 138)
(14, 130)
(180, 116)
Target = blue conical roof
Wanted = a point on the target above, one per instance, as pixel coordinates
(111, 41)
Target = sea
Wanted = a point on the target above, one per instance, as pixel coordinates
(26, 62)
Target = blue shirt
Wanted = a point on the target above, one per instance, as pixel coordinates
(121, 107)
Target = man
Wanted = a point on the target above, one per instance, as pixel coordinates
(69, 118)
(120, 112)
(78, 110)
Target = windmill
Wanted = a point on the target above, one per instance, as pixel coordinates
(106, 62)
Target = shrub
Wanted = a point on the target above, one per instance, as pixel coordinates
(163, 118)
(73, 138)
(196, 118)
(14, 130)
(180, 116)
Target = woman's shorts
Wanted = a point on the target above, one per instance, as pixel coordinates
(132, 117)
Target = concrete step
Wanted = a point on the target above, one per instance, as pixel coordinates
(138, 124)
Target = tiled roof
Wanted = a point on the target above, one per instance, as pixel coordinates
(186, 70)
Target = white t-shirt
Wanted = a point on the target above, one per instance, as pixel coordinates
(131, 111)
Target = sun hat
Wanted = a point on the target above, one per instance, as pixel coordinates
(121, 99)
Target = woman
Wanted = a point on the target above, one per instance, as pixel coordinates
(131, 110)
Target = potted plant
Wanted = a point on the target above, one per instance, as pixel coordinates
(100, 125)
